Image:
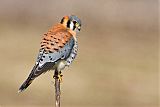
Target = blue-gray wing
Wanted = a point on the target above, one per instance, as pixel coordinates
(46, 61)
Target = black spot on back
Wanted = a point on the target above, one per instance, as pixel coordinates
(44, 39)
(61, 46)
(47, 47)
(50, 51)
(55, 49)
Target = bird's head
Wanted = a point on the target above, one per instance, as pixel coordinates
(72, 22)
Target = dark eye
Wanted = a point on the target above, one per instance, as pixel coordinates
(74, 22)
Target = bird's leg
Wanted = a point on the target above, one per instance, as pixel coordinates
(55, 76)
(58, 75)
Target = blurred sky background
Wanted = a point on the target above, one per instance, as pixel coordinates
(117, 62)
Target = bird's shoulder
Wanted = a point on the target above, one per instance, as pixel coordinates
(55, 38)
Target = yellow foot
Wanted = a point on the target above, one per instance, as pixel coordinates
(60, 77)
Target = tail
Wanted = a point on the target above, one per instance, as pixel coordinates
(36, 71)
(29, 80)
(26, 83)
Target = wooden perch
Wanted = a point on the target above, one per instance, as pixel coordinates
(57, 89)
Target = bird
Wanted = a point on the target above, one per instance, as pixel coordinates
(58, 49)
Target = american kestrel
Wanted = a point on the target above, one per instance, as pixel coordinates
(58, 49)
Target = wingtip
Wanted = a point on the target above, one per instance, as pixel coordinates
(20, 90)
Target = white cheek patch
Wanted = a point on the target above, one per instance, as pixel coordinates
(71, 25)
